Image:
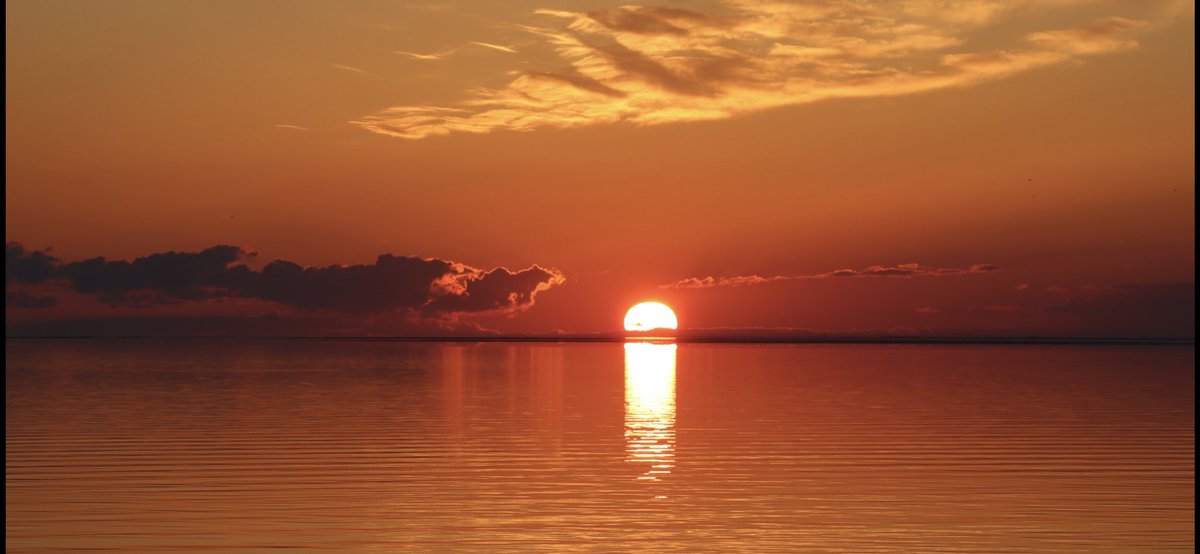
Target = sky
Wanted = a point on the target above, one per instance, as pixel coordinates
(918, 168)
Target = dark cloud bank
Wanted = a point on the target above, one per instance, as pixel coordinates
(1159, 310)
(427, 288)
(412, 296)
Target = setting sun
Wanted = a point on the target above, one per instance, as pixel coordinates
(648, 316)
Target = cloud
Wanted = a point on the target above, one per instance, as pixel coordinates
(22, 299)
(430, 286)
(498, 289)
(1098, 37)
(349, 68)
(578, 81)
(426, 57)
(653, 65)
(392, 282)
(494, 46)
(1158, 310)
(434, 56)
(26, 266)
(174, 275)
(902, 270)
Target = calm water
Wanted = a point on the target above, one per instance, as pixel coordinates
(337, 446)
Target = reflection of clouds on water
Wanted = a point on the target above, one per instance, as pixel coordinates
(650, 407)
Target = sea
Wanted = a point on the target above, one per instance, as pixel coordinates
(229, 445)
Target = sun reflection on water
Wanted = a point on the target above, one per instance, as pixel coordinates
(650, 407)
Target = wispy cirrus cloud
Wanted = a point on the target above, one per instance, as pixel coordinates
(349, 68)
(443, 54)
(498, 47)
(427, 57)
(902, 270)
(654, 65)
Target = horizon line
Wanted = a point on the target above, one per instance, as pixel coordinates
(1016, 341)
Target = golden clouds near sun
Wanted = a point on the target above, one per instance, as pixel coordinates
(648, 316)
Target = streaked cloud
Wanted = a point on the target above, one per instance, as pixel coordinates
(902, 270)
(494, 46)
(443, 54)
(349, 68)
(427, 57)
(647, 65)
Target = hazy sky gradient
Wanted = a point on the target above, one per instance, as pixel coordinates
(623, 149)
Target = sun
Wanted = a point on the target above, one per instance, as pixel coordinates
(648, 316)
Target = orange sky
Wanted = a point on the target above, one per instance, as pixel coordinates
(623, 148)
